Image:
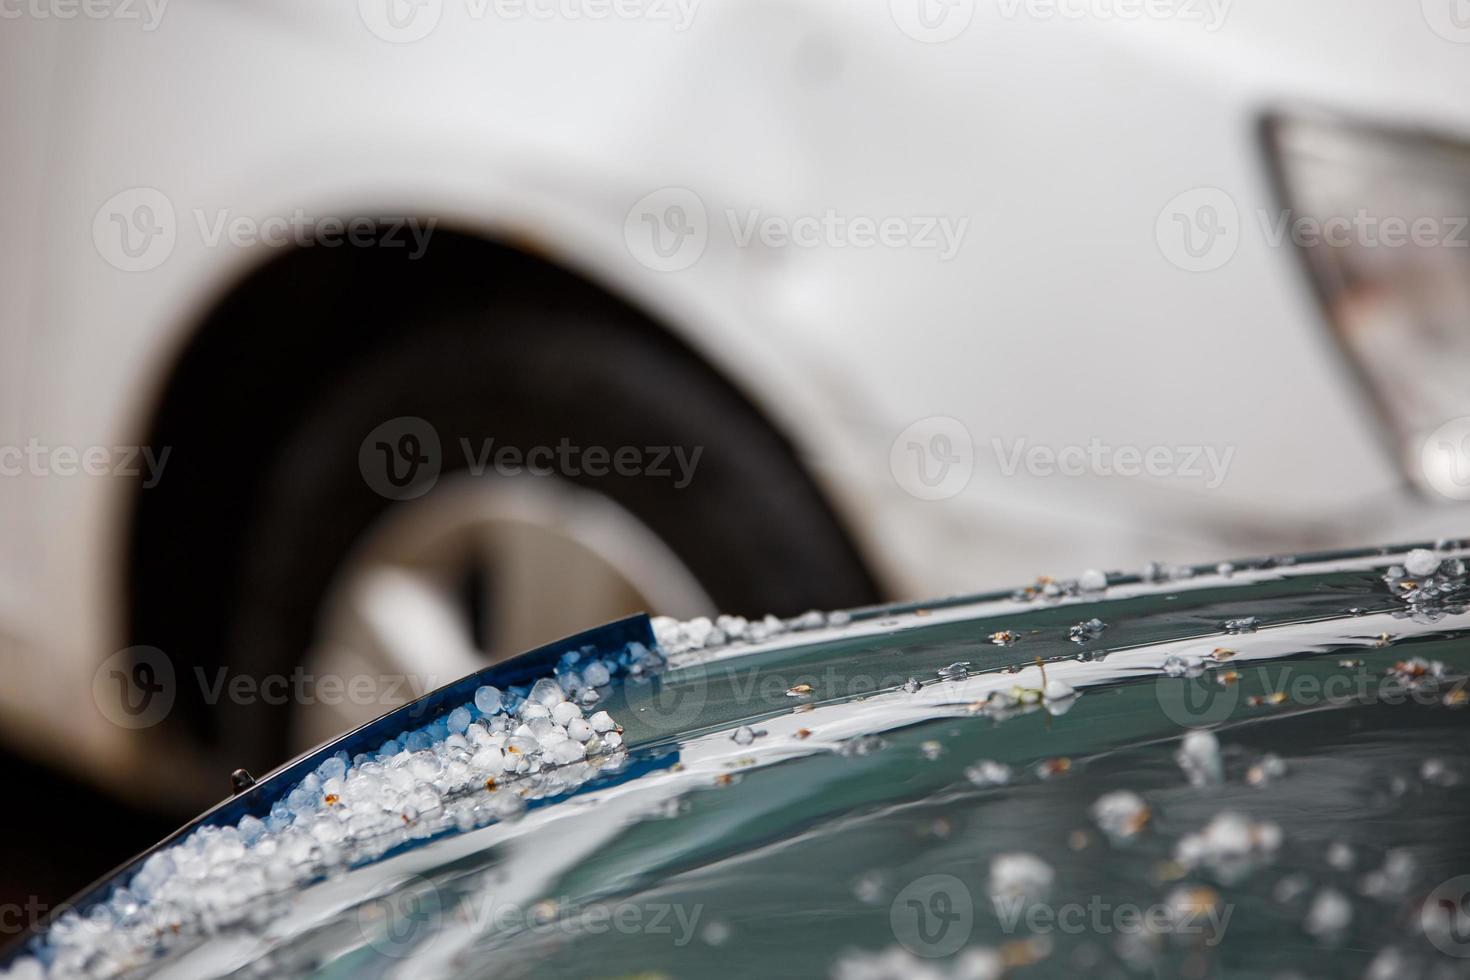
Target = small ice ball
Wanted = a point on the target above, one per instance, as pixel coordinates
(488, 760)
(1058, 690)
(1121, 814)
(1421, 562)
(488, 700)
(458, 720)
(601, 722)
(251, 829)
(1199, 757)
(1183, 666)
(596, 674)
(563, 713)
(1020, 875)
(522, 745)
(533, 709)
(1092, 580)
(988, 772)
(547, 693)
(579, 729)
(552, 737)
(335, 766)
(612, 740)
(1329, 913)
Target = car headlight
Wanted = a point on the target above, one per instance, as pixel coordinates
(1381, 218)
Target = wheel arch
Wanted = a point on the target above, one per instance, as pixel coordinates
(250, 364)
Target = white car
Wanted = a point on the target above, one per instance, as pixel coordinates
(351, 344)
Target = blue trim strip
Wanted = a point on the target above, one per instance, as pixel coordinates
(258, 799)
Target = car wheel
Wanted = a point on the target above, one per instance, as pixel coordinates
(495, 478)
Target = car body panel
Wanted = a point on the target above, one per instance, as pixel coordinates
(795, 818)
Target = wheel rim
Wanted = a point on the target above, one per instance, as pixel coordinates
(478, 570)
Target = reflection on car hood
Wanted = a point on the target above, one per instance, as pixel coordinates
(1237, 769)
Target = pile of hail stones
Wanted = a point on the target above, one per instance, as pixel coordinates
(472, 765)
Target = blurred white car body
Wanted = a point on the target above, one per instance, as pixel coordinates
(1029, 161)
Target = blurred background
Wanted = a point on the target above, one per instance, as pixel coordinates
(348, 346)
